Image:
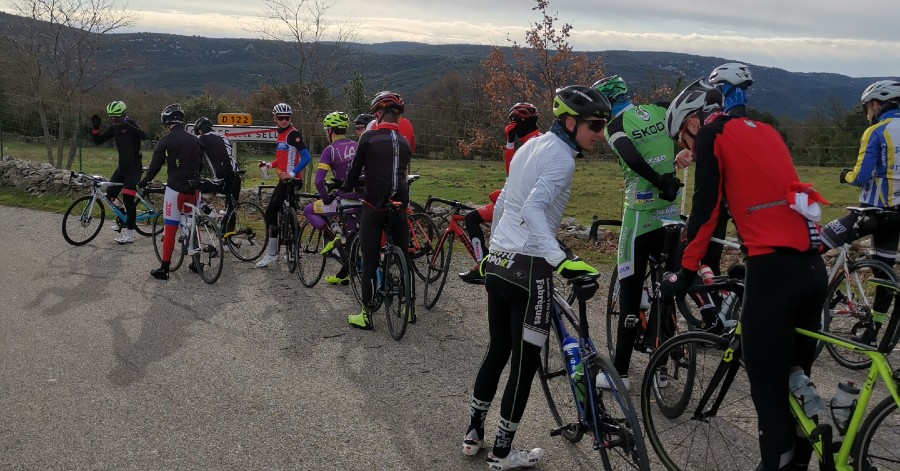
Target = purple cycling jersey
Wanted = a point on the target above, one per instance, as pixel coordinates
(337, 158)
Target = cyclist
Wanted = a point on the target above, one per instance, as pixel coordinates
(221, 160)
(128, 135)
(785, 276)
(637, 135)
(335, 158)
(183, 155)
(404, 125)
(877, 178)
(522, 119)
(523, 254)
(361, 121)
(291, 156)
(384, 155)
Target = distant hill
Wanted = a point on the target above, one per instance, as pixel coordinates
(193, 64)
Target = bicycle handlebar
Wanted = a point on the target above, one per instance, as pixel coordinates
(457, 206)
(718, 283)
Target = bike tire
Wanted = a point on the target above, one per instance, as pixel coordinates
(210, 256)
(247, 237)
(614, 410)
(612, 314)
(725, 438)
(158, 225)
(423, 243)
(311, 262)
(82, 231)
(437, 274)
(416, 208)
(876, 444)
(354, 272)
(557, 384)
(843, 312)
(397, 295)
(147, 207)
(289, 237)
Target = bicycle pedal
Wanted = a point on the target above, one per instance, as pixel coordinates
(565, 428)
(631, 321)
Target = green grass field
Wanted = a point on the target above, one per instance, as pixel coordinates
(597, 189)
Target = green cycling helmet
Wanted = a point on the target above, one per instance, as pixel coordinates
(336, 120)
(116, 108)
(580, 101)
(612, 87)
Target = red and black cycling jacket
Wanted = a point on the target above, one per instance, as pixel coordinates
(384, 154)
(747, 163)
(509, 152)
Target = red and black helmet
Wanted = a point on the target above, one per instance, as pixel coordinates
(521, 111)
(387, 99)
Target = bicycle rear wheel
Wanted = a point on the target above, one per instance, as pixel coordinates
(720, 433)
(208, 259)
(245, 232)
(612, 313)
(876, 446)
(849, 309)
(177, 252)
(438, 267)
(355, 267)
(147, 207)
(620, 441)
(311, 262)
(397, 296)
(557, 385)
(81, 223)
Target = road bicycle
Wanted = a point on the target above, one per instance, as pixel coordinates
(84, 217)
(439, 260)
(703, 418)
(198, 236)
(243, 227)
(850, 309)
(577, 405)
(311, 241)
(394, 282)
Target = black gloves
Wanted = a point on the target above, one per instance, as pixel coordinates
(95, 122)
(844, 172)
(676, 284)
(668, 186)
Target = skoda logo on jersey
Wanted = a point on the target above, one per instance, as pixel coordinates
(644, 115)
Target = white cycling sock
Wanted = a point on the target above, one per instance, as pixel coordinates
(273, 246)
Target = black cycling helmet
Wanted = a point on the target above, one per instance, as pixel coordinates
(363, 119)
(172, 114)
(203, 125)
(581, 102)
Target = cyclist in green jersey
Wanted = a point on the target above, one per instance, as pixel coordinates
(637, 134)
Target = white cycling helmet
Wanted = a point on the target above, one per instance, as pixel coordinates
(734, 73)
(882, 90)
(698, 96)
(282, 109)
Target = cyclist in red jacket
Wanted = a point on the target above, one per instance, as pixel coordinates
(522, 124)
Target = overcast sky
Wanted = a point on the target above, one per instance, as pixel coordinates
(846, 37)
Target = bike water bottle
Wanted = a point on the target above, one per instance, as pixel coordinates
(645, 299)
(264, 169)
(726, 313)
(573, 364)
(843, 403)
(805, 392)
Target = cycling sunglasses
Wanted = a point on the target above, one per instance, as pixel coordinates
(282, 118)
(595, 125)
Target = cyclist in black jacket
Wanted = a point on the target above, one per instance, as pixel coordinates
(221, 159)
(183, 155)
(384, 154)
(128, 136)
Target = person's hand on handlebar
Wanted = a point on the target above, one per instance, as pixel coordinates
(676, 284)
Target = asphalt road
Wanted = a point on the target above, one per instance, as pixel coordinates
(103, 367)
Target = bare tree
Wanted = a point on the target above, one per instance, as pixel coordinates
(55, 46)
(319, 49)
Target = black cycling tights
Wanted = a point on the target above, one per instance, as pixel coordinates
(783, 290)
(373, 223)
(507, 306)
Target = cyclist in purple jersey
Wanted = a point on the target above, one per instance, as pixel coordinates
(335, 158)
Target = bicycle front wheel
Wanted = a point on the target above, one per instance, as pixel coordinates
(619, 441)
(311, 262)
(289, 234)
(850, 312)
(82, 221)
(397, 296)
(355, 267)
(438, 267)
(612, 313)
(209, 251)
(245, 231)
(876, 446)
(717, 428)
